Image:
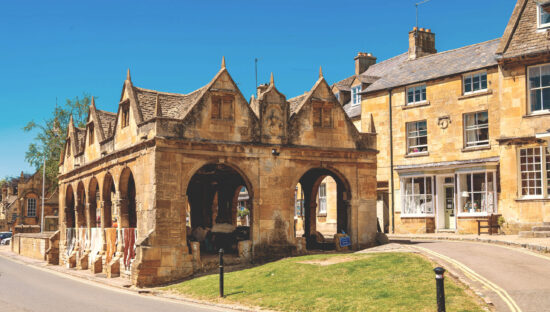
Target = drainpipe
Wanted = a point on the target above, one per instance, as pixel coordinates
(391, 164)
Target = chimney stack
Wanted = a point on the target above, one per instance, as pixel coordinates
(421, 43)
(261, 89)
(363, 61)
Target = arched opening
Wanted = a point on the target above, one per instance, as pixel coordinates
(69, 208)
(220, 206)
(108, 195)
(128, 213)
(321, 205)
(93, 200)
(80, 205)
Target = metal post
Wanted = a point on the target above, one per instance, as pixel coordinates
(221, 272)
(43, 195)
(439, 282)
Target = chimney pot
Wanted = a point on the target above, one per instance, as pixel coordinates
(363, 61)
(421, 29)
(428, 30)
(415, 28)
(421, 43)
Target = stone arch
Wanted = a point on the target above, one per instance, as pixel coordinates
(211, 193)
(93, 203)
(128, 203)
(310, 182)
(80, 205)
(107, 196)
(70, 217)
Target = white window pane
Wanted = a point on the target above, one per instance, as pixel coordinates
(534, 77)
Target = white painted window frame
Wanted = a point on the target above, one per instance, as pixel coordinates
(404, 196)
(29, 201)
(471, 76)
(415, 102)
(459, 177)
(407, 137)
(544, 170)
(529, 110)
(539, 25)
(355, 96)
(323, 199)
(476, 127)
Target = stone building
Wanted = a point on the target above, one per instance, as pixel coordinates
(462, 133)
(167, 160)
(22, 203)
(7, 205)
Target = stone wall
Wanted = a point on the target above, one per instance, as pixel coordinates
(32, 245)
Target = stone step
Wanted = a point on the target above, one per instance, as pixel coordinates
(542, 234)
(541, 228)
(526, 234)
(546, 223)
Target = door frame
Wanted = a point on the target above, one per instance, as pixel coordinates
(440, 195)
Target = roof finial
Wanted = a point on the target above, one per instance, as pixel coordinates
(223, 62)
(271, 81)
(158, 111)
(320, 72)
(93, 102)
(128, 75)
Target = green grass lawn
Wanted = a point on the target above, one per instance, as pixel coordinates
(372, 282)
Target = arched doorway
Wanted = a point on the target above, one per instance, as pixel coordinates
(93, 200)
(321, 207)
(108, 195)
(69, 208)
(128, 213)
(219, 197)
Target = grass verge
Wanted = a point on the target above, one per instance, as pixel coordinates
(354, 282)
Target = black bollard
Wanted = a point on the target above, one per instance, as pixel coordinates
(439, 283)
(221, 272)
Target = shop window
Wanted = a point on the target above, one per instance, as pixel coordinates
(539, 89)
(417, 196)
(323, 199)
(534, 165)
(417, 137)
(477, 192)
(222, 108)
(31, 207)
(476, 129)
(475, 83)
(416, 95)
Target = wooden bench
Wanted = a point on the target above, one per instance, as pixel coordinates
(489, 224)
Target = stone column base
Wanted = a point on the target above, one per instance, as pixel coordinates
(71, 260)
(83, 262)
(96, 266)
(113, 268)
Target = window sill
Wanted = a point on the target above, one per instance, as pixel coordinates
(476, 148)
(533, 199)
(417, 216)
(472, 214)
(322, 215)
(419, 154)
(475, 94)
(415, 105)
(542, 114)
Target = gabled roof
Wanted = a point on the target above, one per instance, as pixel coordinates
(442, 64)
(107, 121)
(296, 102)
(345, 84)
(521, 36)
(80, 136)
(172, 105)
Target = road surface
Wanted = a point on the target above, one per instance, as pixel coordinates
(26, 288)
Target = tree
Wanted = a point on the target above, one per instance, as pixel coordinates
(52, 133)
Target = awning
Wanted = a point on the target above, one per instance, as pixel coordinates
(450, 164)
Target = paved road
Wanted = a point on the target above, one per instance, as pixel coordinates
(524, 276)
(25, 288)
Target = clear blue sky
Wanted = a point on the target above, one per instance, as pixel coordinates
(60, 49)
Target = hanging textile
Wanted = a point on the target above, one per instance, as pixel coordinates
(111, 240)
(71, 237)
(129, 246)
(95, 243)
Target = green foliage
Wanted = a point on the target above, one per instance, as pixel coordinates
(52, 133)
(243, 213)
(353, 282)
(501, 220)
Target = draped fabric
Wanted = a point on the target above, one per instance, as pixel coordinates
(95, 243)
(71, 238)
(129, 237)
(111, 240)
(83, 241)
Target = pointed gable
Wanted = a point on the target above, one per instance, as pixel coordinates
(522, 35)
(273, 110)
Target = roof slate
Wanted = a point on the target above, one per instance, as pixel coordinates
(295, 102)
(172, 105)
(105, 119)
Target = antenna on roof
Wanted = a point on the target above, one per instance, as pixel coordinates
(256, 70)
(416, 5)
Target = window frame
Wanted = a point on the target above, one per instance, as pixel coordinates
(544, 173)
(408, 152)
(425, 194)
(91, 134)
(414, 102)
(29, 200)
(477, 127)
(355, 95)
(528, 90)
(459, 191)
(539, 25)
(125, 115)
(471, 76)
(322, 199)
(322, 109)
(225, 108)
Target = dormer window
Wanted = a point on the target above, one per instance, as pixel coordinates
(355, 96)
(91, 134)
(125, 120)
(543, 15)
